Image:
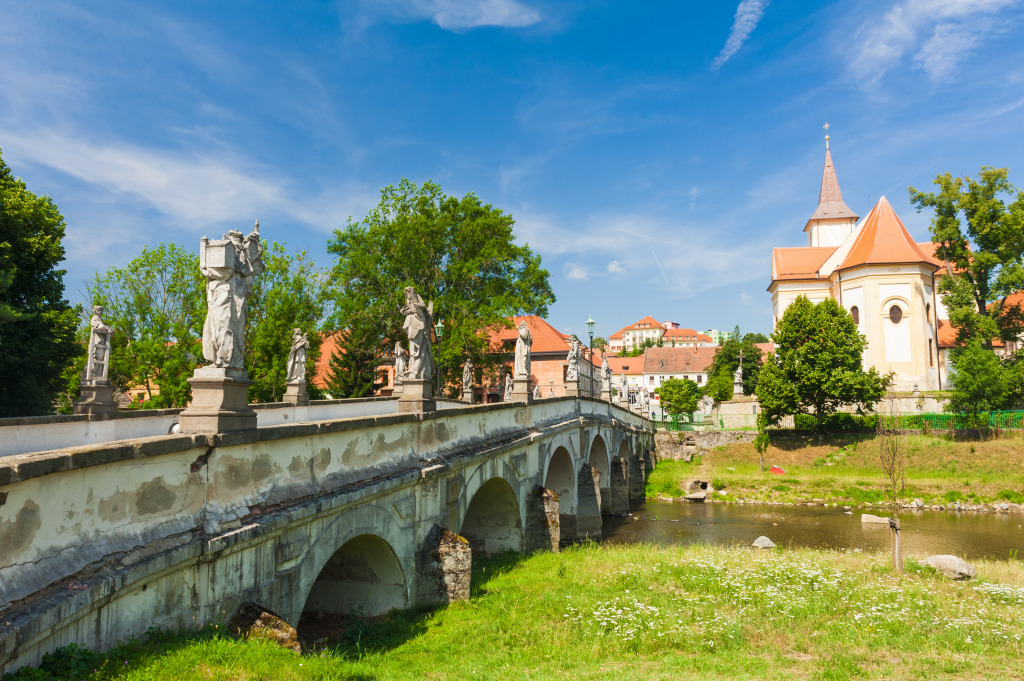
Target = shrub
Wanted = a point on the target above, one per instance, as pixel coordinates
(952, 496)
(1011, 496)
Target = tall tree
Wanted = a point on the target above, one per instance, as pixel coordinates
(353, 368)
(727, 360)
(156, 305)
(37, 325)
(981, 239)
(460, 254)
(816, 366)
(291, 293)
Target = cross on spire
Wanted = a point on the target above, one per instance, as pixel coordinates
(826, 126)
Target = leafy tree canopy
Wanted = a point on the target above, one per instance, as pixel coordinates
(727, 360)
(816, 367)
(639, 349)
(979, 382)
(460, 254)
(37, 325)
(981, 238)
(600, 343)
(679, 396)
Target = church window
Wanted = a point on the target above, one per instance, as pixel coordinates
(928, 312)
(855, 313)
(895, 314)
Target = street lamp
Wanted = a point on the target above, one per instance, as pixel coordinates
(438, 330)
(590, 330)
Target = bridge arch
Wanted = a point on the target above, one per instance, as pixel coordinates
(493, 523)
(560, 478)
(352, 567)
(600, 460)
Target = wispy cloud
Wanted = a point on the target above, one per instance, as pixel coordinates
(576, 272)
(747, 16)
(937, 35)
(462, 15)
(615, 267)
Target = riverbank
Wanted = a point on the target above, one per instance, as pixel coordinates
(642, 612)
(985, 475)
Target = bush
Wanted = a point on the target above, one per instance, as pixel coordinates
(952, 496)
(1011, 496)
(837, 422)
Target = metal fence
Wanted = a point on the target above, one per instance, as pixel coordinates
(990, 420)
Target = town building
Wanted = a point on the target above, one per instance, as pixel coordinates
(879, 274)
(668, 333)
(718, 337)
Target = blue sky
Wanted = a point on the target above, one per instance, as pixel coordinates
(652, 152)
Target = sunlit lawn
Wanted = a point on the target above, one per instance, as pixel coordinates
(644, 612)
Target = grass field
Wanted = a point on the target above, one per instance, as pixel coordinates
(845, 470)
(641, 612)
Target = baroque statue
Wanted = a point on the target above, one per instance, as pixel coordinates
(508, 387)
(401, 361)
(523, 343)
(98, 363)
(572, 373)
(467, 376)
(230, 266)
(606, 376)
(419, 320)
(297, 357)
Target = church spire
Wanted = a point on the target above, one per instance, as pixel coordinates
(830, 200)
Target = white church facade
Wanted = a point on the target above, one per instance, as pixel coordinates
(880, 275)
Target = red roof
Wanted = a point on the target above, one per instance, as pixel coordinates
(624, 365)
(799, 263)
(687, 334)
(678, 360)
(647, 322)
(546, 338)
(883, 239)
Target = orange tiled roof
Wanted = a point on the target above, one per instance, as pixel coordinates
(625, 365)
(647, 322)
(830, 199)
(799, 263)
(678, 360)
(883, 239)
(947, 334)
(546, 338)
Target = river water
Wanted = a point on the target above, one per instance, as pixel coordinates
(967, 535)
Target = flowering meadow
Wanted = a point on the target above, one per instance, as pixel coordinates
(646, 612)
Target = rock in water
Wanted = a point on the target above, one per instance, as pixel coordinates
(763, 542)
(254, 621)
(951, 566)
(873, 519)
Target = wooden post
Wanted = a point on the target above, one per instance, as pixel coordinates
(897, 548)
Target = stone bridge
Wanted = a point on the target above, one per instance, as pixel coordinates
(101, 541)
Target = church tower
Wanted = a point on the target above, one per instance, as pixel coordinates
(833, 221)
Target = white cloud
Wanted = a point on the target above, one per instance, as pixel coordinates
(576, 272)
(694, 193)
(460, 15)
(615, 267)
(937, 34)
(747, 16)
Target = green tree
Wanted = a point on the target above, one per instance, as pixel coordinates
(981, 239)
(600, 343)
(353, 370)
(292, 293)
(156, 305)
(641, 348)
(979, 382)
(460, 254)
(727, 360)
(756, 338)
(816, 366)
(679, 396)
(37, 325)
(719, 387)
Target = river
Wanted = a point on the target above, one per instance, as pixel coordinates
(965, 534)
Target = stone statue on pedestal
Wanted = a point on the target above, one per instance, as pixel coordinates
(297, 357)
(523, 344)
(96, 392)
(508, 387)
(606, 377)
(401, 361)
(419, 320)
(536, 392)
(230, 266)
(467, 381)
(98, 364)
(572, 373)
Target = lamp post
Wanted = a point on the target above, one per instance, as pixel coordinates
(438, 330)
(590, 330)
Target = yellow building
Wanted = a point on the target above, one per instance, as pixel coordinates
(876, 271)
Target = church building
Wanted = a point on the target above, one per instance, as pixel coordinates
(876, 272)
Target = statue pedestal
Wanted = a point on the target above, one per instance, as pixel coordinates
(737, 389)
(521, 390)
(606, 394)
(417, 395)
(399, 388)
(296, 393)
(572, 388)
(467, 396)
(219, 402)
(97, 397)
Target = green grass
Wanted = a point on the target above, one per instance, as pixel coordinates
(640, 612)
(845, 470)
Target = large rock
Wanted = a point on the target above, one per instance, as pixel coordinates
(255, 621)
(873, 519)
(951, 566)
(763, 542)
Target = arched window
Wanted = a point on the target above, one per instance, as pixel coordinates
(855, 313)
(928, 312)
(895, 314)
